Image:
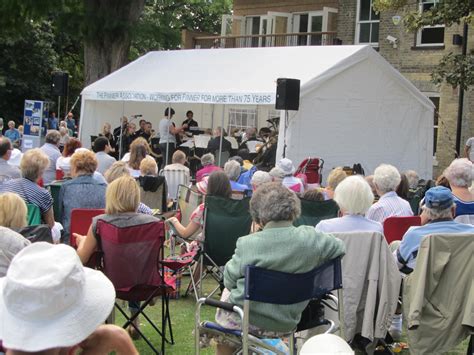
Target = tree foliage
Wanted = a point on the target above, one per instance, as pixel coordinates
(455, 69)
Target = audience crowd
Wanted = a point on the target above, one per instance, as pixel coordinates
(36, 315)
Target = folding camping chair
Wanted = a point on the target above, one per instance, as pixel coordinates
(153, 192)
(273, 287)
(394, 228)
(131, 260)
(81, 220)
(175, 178)
(225, 221)
(312, 212)
(34, 215)
(188, 201)
(313, 169)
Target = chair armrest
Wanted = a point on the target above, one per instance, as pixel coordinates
(219, 304)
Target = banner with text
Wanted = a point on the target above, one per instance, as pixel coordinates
(185, 97)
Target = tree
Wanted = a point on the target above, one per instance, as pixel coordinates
(456, 69)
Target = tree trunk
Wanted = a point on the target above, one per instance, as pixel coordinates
(107, 35)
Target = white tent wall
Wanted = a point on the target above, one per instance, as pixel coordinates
(95, 113)
(362, 115)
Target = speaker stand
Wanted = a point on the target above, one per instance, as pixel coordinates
(284, 134)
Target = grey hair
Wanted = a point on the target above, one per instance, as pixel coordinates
(434, 214)
(52, 137)
(277, 173)
(459, 173)
(413, 179)
(274, 202)
(386, 178)
(260, 177)
(232, 170)
(207, 159)
(354, 195)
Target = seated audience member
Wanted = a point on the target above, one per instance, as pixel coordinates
(274, 207)
(289, 181)
(207, 162)
(354, 197)
(64, 162)
(13, 134)
(259, 178)
(412, 178)
(403, 188)
(83, 191)
(102, 149)
(33, 165)
(50, 148)
(370, 181)
(13, 211)
(117, 170)
(11, 243)
(177, 163)
(64, 138)
(217, 184)
(459, 174)
(139, 149)
(314, 195)
(334, 178)
(7, 171)
(39, 316)
(121, 209)
(214, 143)
(277, 174)
(148, 167)
(439, 210)
(442, 181)
(386, 180)
(232, 170)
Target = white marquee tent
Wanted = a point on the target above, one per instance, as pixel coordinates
(354, 107)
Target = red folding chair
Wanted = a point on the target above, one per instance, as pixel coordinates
(312, 168)
(81, 220)
(131, 259)
(394, 228)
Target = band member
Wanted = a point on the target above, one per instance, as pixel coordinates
(190, 122)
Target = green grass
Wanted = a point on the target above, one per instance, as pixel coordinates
(182, 319)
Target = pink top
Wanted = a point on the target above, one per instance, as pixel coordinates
(207, 170)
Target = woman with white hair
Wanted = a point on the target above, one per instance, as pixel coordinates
(232, 170)
(289, 181)
(354, 197)
(207, 162)
(459, 175)
(259, 178)
(386, 180)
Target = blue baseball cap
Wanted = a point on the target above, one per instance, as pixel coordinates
(439, 198)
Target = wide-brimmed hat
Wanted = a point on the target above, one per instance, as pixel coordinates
(286, 165)
(49, 300)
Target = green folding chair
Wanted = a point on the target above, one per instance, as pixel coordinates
(34, 215)
(312, 212)
(54, 189)
(225, 221)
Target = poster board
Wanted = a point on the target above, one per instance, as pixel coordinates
(34, 114)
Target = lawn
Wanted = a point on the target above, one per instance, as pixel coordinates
(182, 319)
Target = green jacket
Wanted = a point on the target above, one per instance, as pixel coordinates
(280, 247)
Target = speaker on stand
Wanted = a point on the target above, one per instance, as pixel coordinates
(288, 99)
(59, 87)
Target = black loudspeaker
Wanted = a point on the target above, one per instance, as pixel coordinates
(59, 83)
(288, 94)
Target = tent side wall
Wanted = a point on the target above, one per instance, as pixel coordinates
(363, 115)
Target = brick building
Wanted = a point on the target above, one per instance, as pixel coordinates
(326, 22)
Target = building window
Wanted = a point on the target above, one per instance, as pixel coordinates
(242, 119)
(430, 35)
(367, 30)
(434, 97)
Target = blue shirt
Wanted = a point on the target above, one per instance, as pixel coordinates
(235, 186)
(348, 223)
(13, 134)
(408, 249)
(463, 207)
(53, 123)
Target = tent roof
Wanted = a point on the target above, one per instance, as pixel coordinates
(230, 76)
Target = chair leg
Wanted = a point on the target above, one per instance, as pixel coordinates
(292, 344)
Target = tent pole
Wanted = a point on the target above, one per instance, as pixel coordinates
(212, 117)
(284, 134)
(222, 135)
(168, 140)
(121, 132)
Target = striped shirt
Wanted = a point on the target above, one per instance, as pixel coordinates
(389, 205)
(30, 192)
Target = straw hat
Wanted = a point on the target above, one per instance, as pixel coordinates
(49, 300)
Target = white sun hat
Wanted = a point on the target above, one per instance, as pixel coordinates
(49, 300)
(286, 165)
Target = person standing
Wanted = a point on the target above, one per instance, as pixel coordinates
(71, 122)
(168, 134)
(53, 122)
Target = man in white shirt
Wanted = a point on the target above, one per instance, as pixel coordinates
(102, 149)
(7, 171)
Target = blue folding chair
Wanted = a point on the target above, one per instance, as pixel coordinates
(273, 287)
